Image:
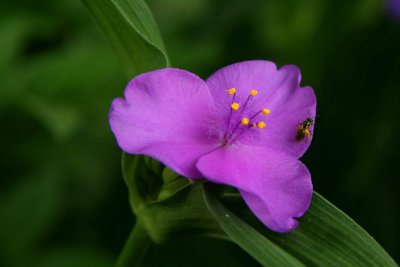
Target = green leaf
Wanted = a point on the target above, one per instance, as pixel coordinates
(143, 183)
(261, 248)
(166, 207)
(197, 252)
(132, 31)
(183, 214)
(170, 200)
(326, 236)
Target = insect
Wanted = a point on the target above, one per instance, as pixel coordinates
(303, 129)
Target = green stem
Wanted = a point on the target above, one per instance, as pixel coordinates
(135, 248)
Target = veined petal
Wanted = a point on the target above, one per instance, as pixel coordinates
(275, 186)
(166, 114)
(279, 91)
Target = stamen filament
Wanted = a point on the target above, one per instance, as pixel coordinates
(253, 92)
(264, 111)
(231, 91)
(244, 121)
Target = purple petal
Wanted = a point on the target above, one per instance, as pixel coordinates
(166, 114)
(275, 186)
(279, 90)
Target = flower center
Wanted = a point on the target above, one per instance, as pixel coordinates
(236, 127)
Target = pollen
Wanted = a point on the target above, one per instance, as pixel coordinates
(265, 111)
(231, 91)
(261, 125)
(235, 106)
(245, 121)
(253, 92)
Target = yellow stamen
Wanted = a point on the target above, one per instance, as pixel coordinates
(265, 111)
(261, 125)
(235, 106)
(253, 92)
(245, 121)
(231, 91)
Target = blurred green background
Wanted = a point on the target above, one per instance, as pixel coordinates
(62, 198)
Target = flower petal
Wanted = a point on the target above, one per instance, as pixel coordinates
(279, 91)
(166, 114)
(275, 186)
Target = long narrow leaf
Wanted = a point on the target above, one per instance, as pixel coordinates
(261, 248)
(326, 236)
(132, 31)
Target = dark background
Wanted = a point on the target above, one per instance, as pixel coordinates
(62, 198)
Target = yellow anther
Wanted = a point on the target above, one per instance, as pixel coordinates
(231, 91)
(261, 125)
(265, 111)
(235, 106)
(245, 121)
(253, 92)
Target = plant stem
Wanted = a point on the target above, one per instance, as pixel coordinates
(135, 248)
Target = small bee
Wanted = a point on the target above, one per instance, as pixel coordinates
(303, 129)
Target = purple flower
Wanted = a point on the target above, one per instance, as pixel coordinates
(238, 128)
(394, 8)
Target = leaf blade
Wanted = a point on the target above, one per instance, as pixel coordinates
(337, 238)
(262, 249)
(132, 31)
(326, 236)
